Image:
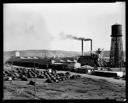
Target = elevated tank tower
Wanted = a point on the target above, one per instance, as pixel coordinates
(116, 52)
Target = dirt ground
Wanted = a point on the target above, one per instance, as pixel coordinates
(87, 87)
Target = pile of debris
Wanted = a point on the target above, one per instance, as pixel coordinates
(57, 77)
(50, 75)
(22, 73)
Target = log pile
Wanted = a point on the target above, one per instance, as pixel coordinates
(50, 75)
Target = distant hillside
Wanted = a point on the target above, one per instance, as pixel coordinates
(48, 53)
(107, 53)
(41, 53)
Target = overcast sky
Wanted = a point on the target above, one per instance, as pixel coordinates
(42, 26)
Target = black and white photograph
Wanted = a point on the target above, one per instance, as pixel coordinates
(64, 51)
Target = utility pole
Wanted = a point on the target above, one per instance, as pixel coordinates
(34, 79)
(11, 66)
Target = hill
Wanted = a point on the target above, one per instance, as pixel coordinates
(48, 53)
(41, 53)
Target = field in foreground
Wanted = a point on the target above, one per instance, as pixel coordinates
(83, 88)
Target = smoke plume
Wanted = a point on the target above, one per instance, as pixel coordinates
(77, 38)
(69, 36)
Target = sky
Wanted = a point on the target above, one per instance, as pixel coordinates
(38, 26)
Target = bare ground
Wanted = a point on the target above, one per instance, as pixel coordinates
(88, 87)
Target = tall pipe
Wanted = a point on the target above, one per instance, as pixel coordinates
(82, 46)
(91, 45)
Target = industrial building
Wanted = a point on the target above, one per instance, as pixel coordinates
(92, 59)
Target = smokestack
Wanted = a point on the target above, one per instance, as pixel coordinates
(82, 40)
(91, 45)
(82, 46)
